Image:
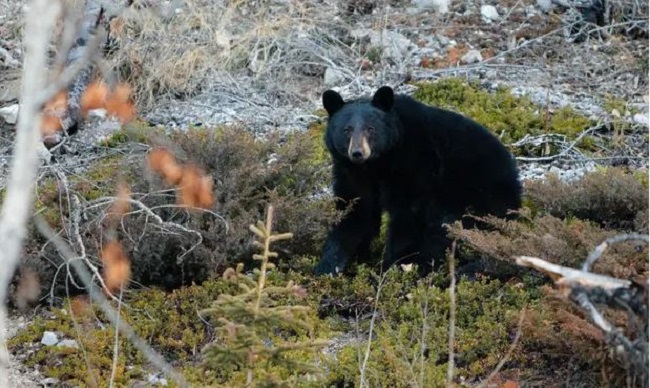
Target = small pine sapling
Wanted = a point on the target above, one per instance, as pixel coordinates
(256, 328)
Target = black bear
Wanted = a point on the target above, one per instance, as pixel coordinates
(425, 166)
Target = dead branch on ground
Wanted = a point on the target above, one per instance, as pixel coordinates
(76, 73)
(587, 289)
(569, 150)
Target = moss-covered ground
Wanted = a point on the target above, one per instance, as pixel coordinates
(407, 316)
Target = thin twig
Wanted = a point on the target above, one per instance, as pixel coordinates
(116, 345)
(172, 225)
(600, 249)
(362, 367)
(75, 220)
(423, 344)
(452, 315)
(511, 349)
(565, 151)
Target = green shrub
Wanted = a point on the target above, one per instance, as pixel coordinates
(401, 354)
(290, 171)
(260, 341)
(505, 115)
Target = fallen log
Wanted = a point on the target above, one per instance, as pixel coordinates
(64, 110)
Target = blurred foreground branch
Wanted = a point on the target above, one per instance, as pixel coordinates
(587, 289)
(17, 205)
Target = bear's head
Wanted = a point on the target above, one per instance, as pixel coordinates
(362, 129)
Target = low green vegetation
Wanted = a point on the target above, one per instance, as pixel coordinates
(509, 117)
(172, 324)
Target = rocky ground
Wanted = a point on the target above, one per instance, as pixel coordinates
(18, 375)
(354, 47)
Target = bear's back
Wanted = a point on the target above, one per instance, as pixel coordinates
(471, 161)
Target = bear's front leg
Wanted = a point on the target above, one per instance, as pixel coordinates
(403, 237)
(435, 243)
(352, 236)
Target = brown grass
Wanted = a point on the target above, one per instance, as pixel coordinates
(161, 52)
(612, 198)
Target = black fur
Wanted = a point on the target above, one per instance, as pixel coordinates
(427, 166)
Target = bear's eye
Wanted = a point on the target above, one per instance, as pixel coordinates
(370, 130)
(347, 130)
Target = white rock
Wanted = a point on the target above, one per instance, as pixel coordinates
(49, 338)
(10, 113)
(99, 113)
(441, 6)
(394, 45)
(555, 170)
(68, 343)
(332, 77)
(489, 13)
(544, 5)
(641, 119)
(472, 56)
(154, 379)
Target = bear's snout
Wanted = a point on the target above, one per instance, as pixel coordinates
(359, 152)
(359, 148)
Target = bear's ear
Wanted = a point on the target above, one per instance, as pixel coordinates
(383, 98)
(332, 102)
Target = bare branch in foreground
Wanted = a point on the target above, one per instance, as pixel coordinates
(77, 72)
(565, 274)
(600, 249)
(17, 206)
(585, 288)
(96, 294)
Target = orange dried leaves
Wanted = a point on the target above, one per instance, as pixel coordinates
(117, 268)
(195, 187)
(117, 102)
(164, 164)
(53, 113)
(28, 289)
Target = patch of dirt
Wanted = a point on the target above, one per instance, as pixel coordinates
(18, 375)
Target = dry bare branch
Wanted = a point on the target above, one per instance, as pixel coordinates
(600, 249)
(585, 289)
(571, 275)
(375, 312)
(565, 152)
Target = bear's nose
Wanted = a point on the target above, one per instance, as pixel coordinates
(357, 155)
